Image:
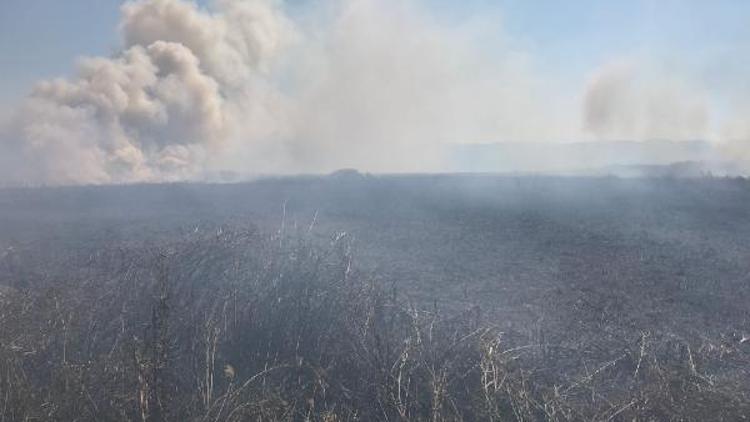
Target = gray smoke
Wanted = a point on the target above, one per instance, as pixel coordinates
(622, 103)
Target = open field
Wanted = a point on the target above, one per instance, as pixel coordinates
(528, 298)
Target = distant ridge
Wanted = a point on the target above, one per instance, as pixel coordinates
(579, 157)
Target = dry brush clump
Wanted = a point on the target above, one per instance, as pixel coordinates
(230, 324)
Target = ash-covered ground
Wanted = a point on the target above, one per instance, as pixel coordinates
(583, 269)
(649, 251)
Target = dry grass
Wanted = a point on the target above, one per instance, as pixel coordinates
(237, 325)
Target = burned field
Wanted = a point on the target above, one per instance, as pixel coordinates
(353, 297)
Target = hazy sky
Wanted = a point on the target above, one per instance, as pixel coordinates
(167, 90)
(709, 39)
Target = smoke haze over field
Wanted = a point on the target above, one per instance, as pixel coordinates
(248, 86)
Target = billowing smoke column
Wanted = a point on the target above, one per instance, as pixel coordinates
(373, 84)
(379, 85)
(158, 108)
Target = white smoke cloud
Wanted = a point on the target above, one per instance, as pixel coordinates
(158, 109)
(386, 87)
(627, 102)
(381, 85)
(232, 45)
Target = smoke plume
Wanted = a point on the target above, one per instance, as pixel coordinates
(380, 85)
(387, 86)
(155, 111)
(622, 103)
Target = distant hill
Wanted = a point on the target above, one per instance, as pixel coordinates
(621, 157)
